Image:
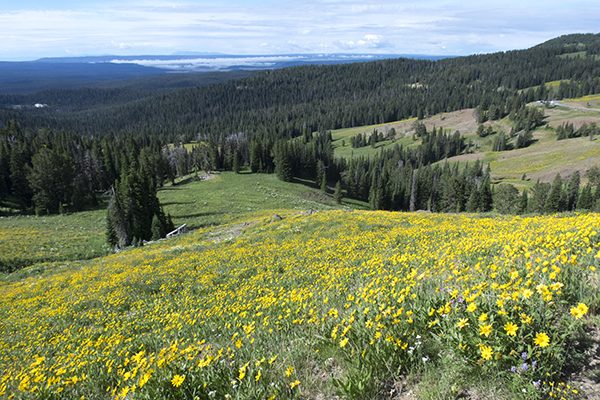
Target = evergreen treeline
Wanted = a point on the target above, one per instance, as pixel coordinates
(266, 121)
(284, 103)
(568, 131)
(48, 172)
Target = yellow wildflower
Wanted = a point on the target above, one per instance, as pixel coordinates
(485, 329)
(579, 311)
(541, 339)
(486, 352)
(177, 380)
(511, 329)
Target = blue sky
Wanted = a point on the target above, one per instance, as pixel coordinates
(62, 28)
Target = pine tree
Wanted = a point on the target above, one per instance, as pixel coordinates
(283, 164)
(585, 201)
(236, 162)
(538, 197)
(111, 236)
(51, 179)
(323, 185)
(572, 191)
(20, 188)
(156, 228)
(133, 209)
(552, 204)
(486, 201)
(337, 194)
(523, 202)
(506, 199)
(473, 202)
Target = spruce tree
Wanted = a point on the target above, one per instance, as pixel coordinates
(538, 197)
(156, 228)
(552, 204)
(337, 194)
(283, 163)
(19, 162)
(523, 202)
(134, 212)
(236, 162)
(572, 191)
(473, 202)
(585, 201)
(486, 200)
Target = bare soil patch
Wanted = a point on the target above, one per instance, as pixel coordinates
(461, 120)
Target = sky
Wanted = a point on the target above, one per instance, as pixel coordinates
(32, 29)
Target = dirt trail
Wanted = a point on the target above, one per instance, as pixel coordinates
(559, 103)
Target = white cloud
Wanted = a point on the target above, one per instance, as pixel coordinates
(233, 26)
(368, 42)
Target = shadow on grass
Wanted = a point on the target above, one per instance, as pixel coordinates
(175, 203)
(306, 182)
(196, 215)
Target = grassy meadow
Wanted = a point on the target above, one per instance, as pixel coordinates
(542, 159)
(225, 197)
(356, 304)
(339, 303)
(27, 240)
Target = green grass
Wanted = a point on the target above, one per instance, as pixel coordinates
(225, 197)
(26, 240)
(344, 135)
(578, 54)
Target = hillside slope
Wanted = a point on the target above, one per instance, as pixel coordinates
(542, 159)
(361, 304)
(286, 102)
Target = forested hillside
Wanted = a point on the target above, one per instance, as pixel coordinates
(283, 103)
(86, 141)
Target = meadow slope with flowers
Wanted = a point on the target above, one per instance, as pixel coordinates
(357, 304)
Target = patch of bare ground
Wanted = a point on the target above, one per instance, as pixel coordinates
(461, 120)
(577, 117)
(231, 231)
(587, 377)
(317, 196)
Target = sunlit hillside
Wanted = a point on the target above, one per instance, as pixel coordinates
(356, 304)
(542, 159)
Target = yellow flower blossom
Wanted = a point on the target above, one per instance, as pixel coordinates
(511, 329)
(542, 340)
(486, 352)
(579, 311)
(485, 329)
(462, 323)
(177, 380)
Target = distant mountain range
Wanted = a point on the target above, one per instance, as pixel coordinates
(97, 71)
